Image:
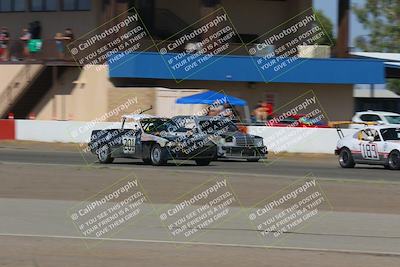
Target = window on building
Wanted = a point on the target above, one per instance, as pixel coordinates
(44, 5)
(19, 5)
(5, 5)
(76, 5)
(84, 5)
(12, 5)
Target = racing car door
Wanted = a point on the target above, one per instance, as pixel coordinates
(370, 145)
(131, 145)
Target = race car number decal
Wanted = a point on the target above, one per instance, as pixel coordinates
(129, 143)
(369, 151)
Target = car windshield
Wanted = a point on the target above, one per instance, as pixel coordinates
(184, 124)
(394, 119)
(391, 134)
(157, 125)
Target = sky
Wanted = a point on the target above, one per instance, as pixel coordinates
(329, 7)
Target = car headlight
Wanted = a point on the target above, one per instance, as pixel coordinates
(259, 142)
(221, 141)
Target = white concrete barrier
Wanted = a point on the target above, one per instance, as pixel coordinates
(277, 139)
(299, 140)
(59, 131)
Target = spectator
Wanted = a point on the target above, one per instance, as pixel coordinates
(60, 45)
(4, 42)
(68, 35)
(62, 41)
(36, 30)
(227, 111)
(26, 36)
(261, 111)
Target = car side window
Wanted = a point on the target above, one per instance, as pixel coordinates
(370, 117)
(363, 135)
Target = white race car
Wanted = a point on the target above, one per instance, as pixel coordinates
(373, 145)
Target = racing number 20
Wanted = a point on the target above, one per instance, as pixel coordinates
(369, 151)
(129, 144)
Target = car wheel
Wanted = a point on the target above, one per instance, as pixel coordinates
(203, 162)
(158, 155)
(394, 160)
(104, 155)
(253, 160)
(346, 159)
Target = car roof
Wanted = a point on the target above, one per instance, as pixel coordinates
(384, 113)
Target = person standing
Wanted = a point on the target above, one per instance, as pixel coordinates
(68, 38)
(26, 36)
(4, 43)
(60, 45)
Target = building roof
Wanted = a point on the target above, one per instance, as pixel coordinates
(378, 55)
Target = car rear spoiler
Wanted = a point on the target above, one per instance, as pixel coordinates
(337, 124)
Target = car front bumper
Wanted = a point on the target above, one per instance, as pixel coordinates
(243, 152)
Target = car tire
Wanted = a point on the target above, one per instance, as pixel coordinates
(253, 160)
(346, 158)
(203, 162)
(158, 155)
(394, 160)
(104, 155)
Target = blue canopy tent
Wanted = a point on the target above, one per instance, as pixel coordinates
(212, 97)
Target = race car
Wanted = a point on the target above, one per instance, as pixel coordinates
(231, 141)
(373, 145)
(152, 139)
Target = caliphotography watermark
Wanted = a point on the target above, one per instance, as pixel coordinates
(112, 42)
(91, 136)
(294, 126)
(289, 210)
(212, 131)
(289, 45)
(199, 45)
(111, 210)
(205, 207)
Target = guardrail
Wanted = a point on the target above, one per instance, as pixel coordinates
(48, 50)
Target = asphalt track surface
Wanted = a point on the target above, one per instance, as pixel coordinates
(294, 166)
(361, 228)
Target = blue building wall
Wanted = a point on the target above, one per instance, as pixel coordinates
(153, 65)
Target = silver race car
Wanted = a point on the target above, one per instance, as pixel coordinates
(232, 143)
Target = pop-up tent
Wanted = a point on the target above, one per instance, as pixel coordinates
(212, 97)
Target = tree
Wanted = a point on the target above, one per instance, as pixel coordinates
(327, 25)
(382, 19)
